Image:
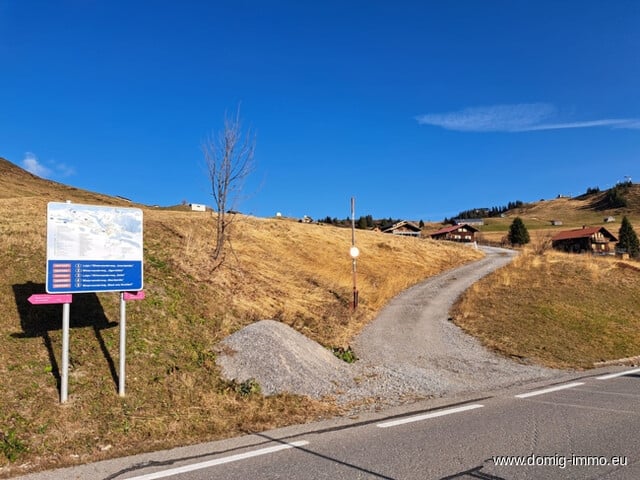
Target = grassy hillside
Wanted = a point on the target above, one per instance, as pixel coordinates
(297, 273)
(557, 309)
(572, 212)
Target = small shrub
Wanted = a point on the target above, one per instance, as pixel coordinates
(244, 389)
(344, 354)
(248, 387)
(542, 245)
(11, 446)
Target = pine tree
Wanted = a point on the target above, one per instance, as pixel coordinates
(518, 233)
(627, 238)
(370, 223)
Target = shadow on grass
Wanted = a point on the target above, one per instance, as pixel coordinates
(39, 320)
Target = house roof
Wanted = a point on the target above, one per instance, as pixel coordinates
(584, 232)
(404, 223)
(453, 228)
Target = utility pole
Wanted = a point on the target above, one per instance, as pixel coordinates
(354, 252)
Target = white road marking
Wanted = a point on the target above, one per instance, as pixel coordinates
(218, 461)
(619, 374)
(549, 390)
(439, 413)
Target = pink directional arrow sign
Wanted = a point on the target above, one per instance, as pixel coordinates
(48, 298)
(134, 295)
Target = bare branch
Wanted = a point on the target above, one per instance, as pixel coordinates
(229, 157)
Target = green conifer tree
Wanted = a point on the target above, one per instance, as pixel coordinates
(518, 233)
(627, 238)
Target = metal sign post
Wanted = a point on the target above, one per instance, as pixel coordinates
(65, 300)
(124, 298)
(64, 375)
(123, 343)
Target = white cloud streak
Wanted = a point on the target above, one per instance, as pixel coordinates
(32, 165)
(523, 117)
(608, 122)
(55, 169)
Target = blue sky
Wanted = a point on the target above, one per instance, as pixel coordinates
(419, 109)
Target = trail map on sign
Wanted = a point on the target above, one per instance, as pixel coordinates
(93, 248)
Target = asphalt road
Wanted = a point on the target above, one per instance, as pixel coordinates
(579, 427)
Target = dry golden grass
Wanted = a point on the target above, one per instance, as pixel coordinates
(297, 273)
(573, 212)
(557, 309)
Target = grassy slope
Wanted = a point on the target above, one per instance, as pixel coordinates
(557, 309)
(573, 212)
(297, 273)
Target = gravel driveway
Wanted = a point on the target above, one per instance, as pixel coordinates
(410, 351)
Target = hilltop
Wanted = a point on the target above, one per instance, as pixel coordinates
(298, 274)
(570, 212)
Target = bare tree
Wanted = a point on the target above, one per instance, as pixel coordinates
(229, 156)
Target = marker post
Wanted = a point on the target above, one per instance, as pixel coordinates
(64, 375)
(123, 343)
(124, 298)
(65, 300)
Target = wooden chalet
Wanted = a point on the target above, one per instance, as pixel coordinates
(404, 228)
(585, 240)
(456, 233)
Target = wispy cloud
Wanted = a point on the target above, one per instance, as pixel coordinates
(631, 124)
(63, 170)
(32, 165)
(522, 117)
(607, 122)
(53, 169)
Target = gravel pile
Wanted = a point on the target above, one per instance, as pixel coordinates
(410, 351)
(281, 360)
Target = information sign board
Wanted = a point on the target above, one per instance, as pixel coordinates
(93, 248)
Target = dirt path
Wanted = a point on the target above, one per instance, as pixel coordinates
(412, 348)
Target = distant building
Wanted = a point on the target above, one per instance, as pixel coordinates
(556, 222)
(404, 228)
(468, 221)
(585, 240)
(609, 219)
(198, 207)
(456, 233)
